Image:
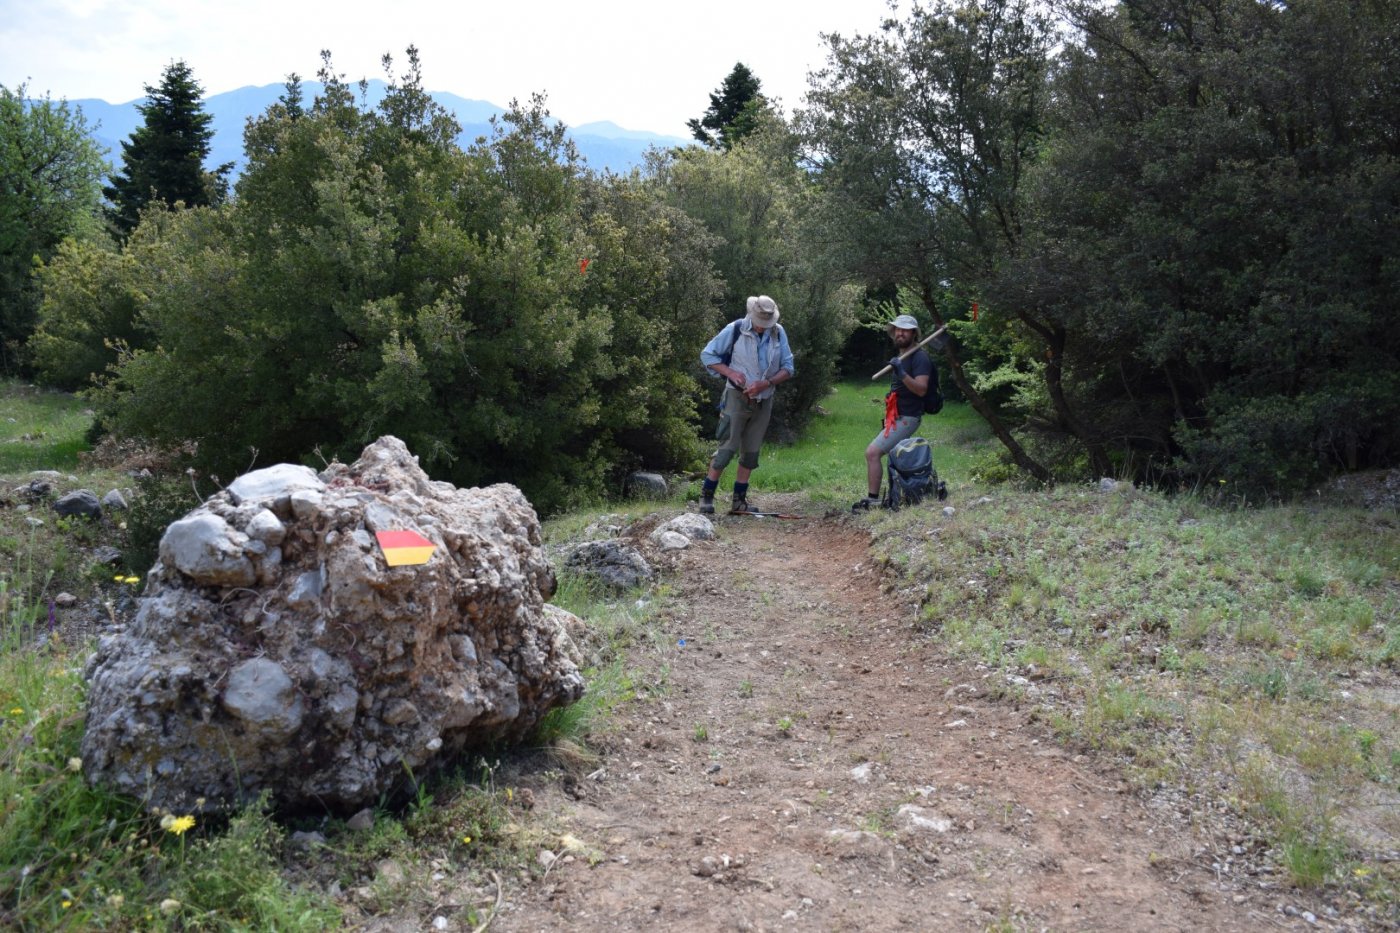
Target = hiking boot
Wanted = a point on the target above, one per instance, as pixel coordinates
(942, 490)
(743, 505)
(707, 506)
(865, 503)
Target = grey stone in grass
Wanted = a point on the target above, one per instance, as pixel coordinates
(615, 565)
(695, 527)
(107, 555)
(647, 485)
(80, 503)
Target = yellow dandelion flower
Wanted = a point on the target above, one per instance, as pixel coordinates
(67, 904)
(467, 840)
(180, 824)
(17, 711)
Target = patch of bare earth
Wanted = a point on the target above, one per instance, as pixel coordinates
(813, 763)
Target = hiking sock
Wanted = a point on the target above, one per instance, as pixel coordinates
(741, 490)
(707, 488)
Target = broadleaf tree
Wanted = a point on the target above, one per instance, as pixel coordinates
(373, 278)
(50, 190)
(756, 201)
(1214, 226)
(921, 134)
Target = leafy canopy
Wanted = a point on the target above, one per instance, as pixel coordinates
(373, 278)
(50, 177)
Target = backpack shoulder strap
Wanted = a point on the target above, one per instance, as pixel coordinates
(728, 355)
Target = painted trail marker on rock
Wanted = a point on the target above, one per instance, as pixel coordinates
(404, 548)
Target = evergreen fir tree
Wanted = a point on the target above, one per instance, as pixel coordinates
(164, 157)
(734, 109)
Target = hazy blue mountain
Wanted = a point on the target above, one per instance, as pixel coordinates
(605, 145)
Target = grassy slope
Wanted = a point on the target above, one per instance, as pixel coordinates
(40, 430)
(1247, 657)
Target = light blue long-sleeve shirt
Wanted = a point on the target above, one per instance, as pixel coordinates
(723, 343)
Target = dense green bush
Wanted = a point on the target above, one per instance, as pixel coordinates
(373, 278)
(93, 294)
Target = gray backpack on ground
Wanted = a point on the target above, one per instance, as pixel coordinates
(911, 474)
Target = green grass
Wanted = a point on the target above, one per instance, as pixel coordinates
(40, 429)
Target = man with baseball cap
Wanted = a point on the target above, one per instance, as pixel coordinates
(910, 381)
(753, 356)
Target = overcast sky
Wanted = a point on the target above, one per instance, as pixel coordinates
(643, 64)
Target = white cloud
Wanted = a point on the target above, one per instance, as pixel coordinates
(644, 65)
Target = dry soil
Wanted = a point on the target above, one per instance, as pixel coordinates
(808, 761)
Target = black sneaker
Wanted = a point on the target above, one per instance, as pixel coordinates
(865, 503)
(742, 506)
(707, 506)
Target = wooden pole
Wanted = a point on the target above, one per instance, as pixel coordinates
(906, 353)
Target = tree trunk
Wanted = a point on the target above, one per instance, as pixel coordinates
(979, 404)
(1054, 382)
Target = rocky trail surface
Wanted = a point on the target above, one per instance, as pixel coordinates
(806, 761)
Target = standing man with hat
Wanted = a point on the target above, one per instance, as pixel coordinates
(753, 356)
(904, 405)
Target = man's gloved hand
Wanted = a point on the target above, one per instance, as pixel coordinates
(898, 366)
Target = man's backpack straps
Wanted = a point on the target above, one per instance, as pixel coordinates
(933, 399)
(728, 355)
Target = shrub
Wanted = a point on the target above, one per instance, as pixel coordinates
(159, 500)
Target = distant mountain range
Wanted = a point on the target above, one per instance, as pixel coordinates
(604, 145)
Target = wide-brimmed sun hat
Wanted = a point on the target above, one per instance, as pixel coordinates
(763, 311)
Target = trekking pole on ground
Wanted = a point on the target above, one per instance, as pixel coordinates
(911, 350)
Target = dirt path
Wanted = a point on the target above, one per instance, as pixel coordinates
(812, 764)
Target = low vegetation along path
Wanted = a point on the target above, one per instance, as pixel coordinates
(807, 761)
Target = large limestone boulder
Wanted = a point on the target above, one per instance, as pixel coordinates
(275, 649)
